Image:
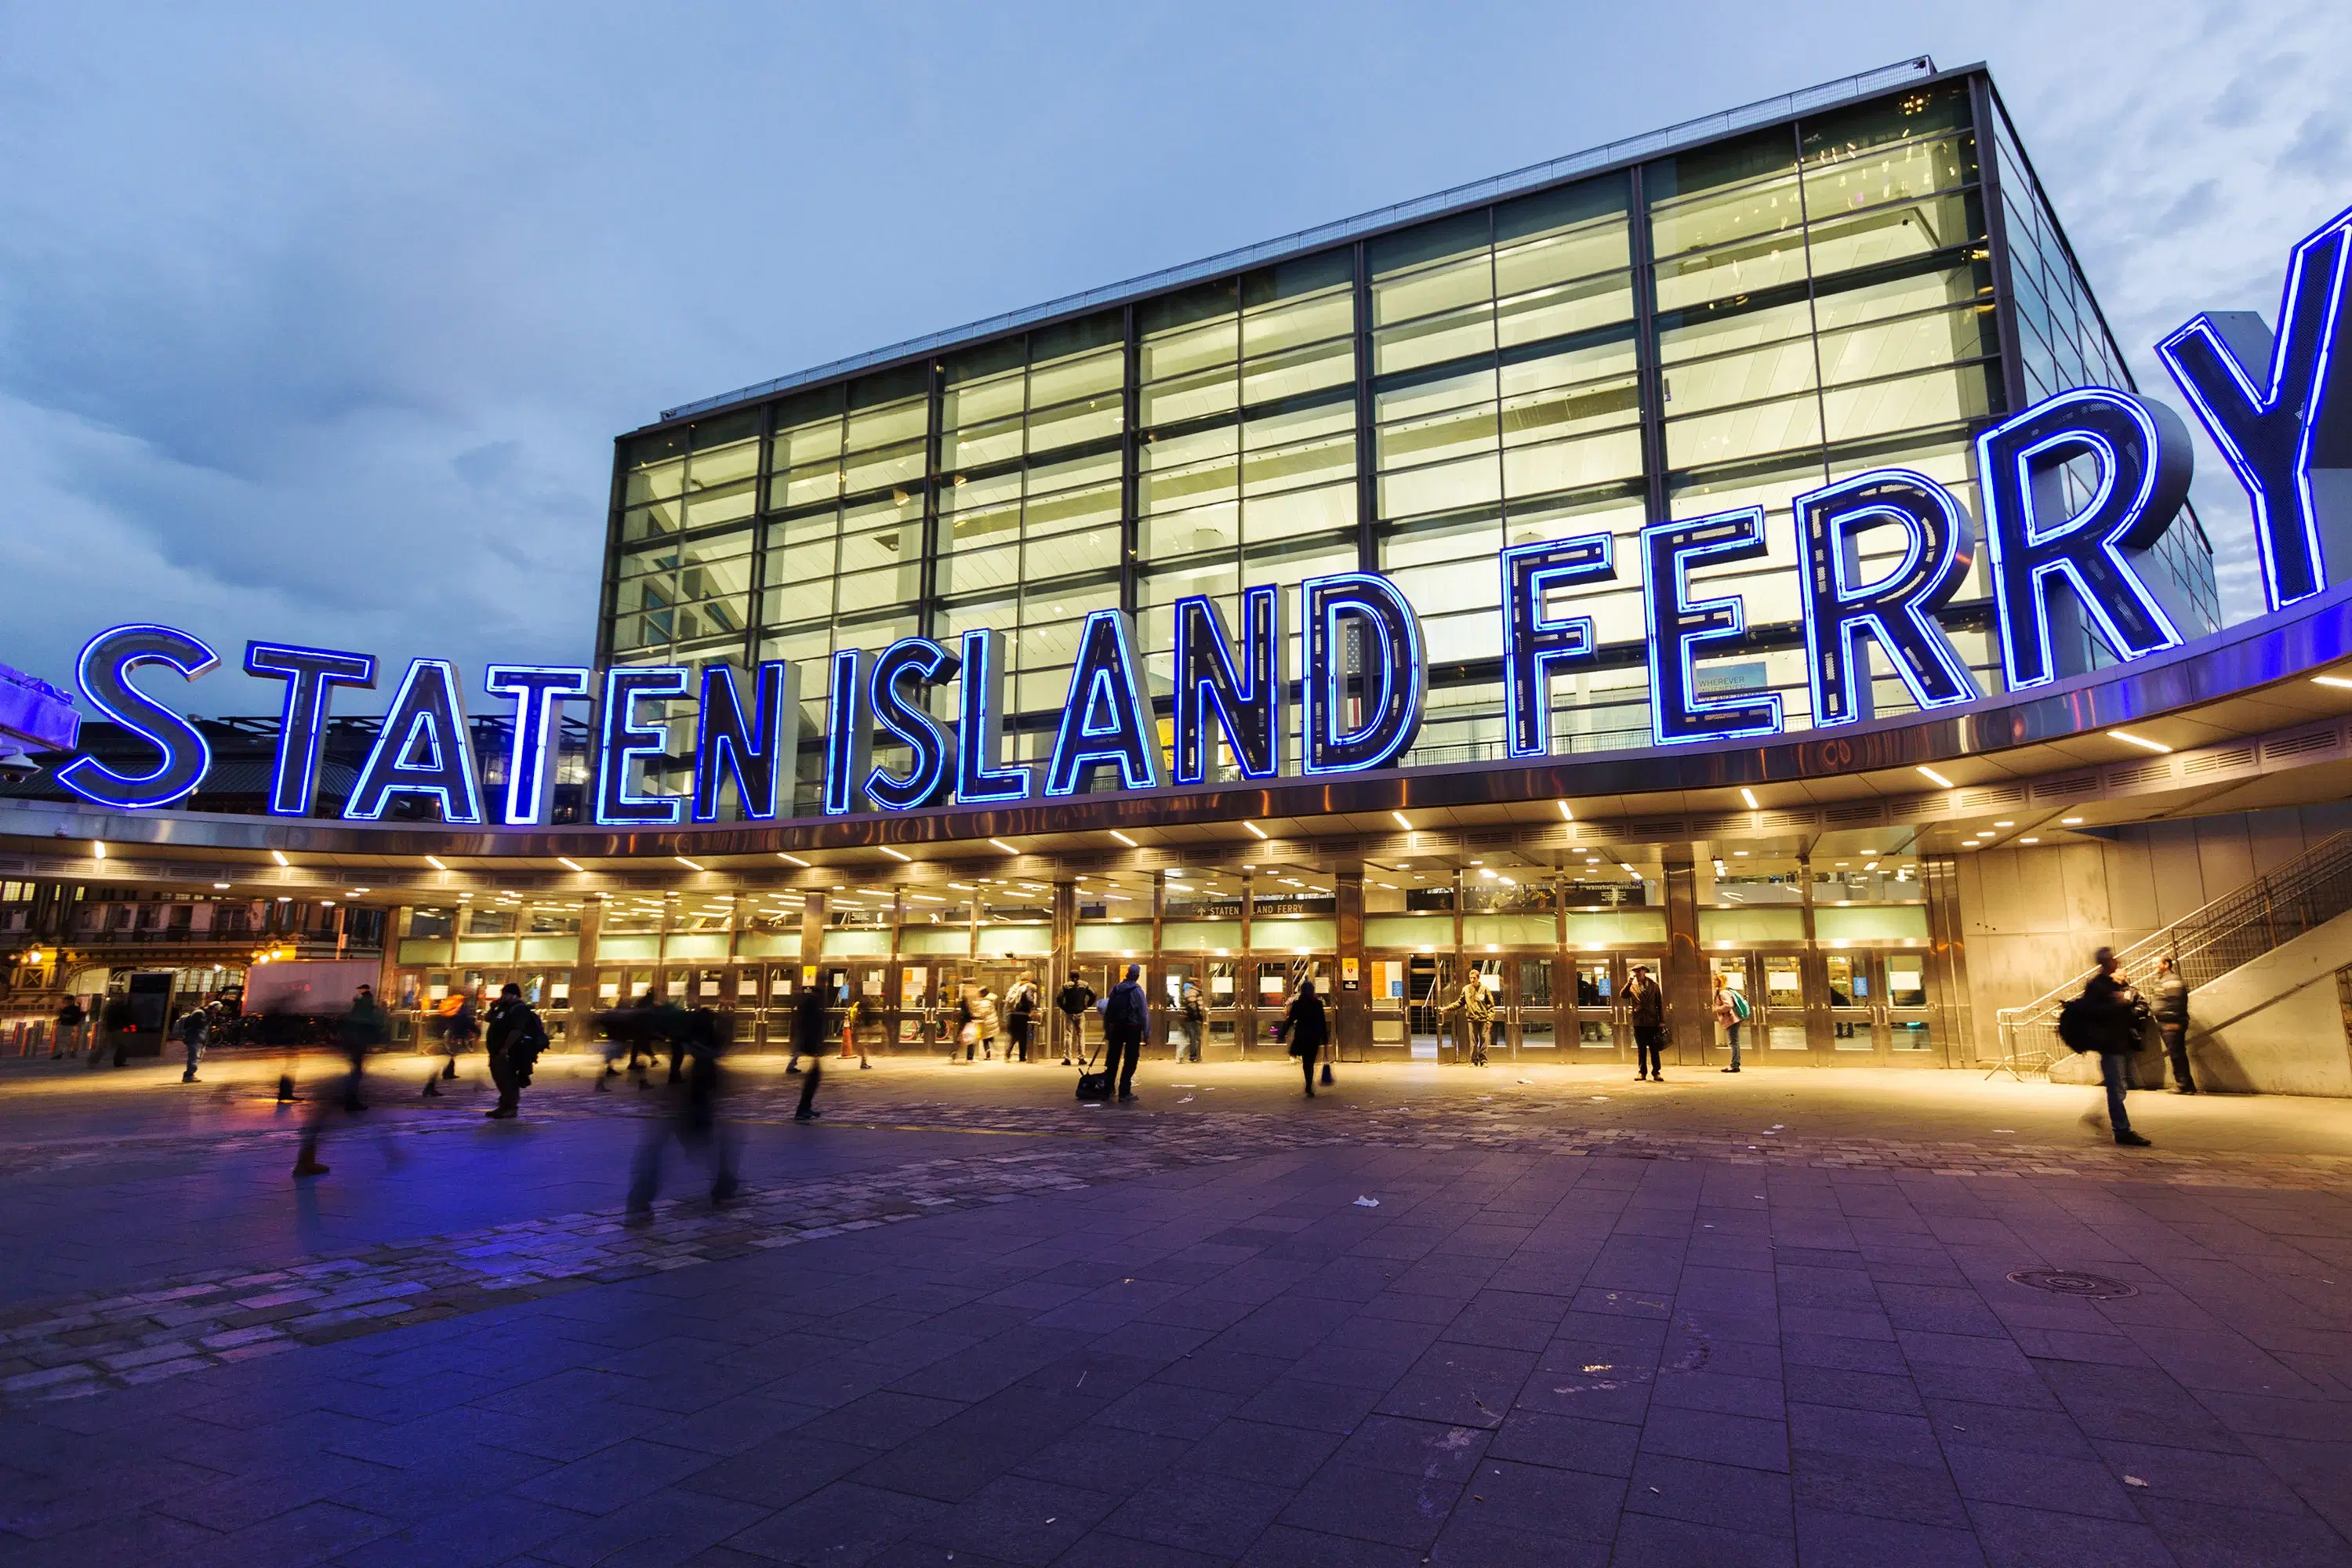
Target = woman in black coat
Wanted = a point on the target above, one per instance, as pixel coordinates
(1308, 1030)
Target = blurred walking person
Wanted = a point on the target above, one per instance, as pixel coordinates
(693, 1120)
(1073, 1001)
(984, 1015)
(2110, 1018)
(1308, 1029)
(194, 1028)
(68, 1028)
(1021, 1018)
(2172, 1023)
(459, 1032)
(361, 1032)
(808, 1040)
(1127, 1018)
(515, 1037)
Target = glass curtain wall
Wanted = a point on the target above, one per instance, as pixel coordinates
(1759, 316)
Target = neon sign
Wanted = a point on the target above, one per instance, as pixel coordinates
(2075, 491)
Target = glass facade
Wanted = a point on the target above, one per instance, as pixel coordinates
(1723, 326)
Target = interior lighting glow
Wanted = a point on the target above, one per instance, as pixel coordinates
(690, 865)
(1940, 780)
(2140, 740)
(1566, 815)
(790, 859)
(2069, 822)
(893, 853)
(2028, 841)
(569, 864)
(220, 887)
(1123, 838)
(429, 860)
(2337, 681)
(1255, 828)
(1400, 822)
(274, 855)
(1749, 796)
(1004, 846)
(98, 852)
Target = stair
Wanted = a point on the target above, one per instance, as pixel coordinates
(2205, 945)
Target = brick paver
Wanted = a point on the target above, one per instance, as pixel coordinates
(1445, 1331)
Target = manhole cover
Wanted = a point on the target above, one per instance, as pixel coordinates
(2064, 1282)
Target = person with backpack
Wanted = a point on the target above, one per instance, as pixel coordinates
(1730, 1011)
(1073, 1001)
(2108, 1018)
(1647, 1004)
(515, 1036)
(1021, 1018)
(1308, 1029)
(1127, 1018)
(808, 1040)
(1194, 1007)
(2172, 1023)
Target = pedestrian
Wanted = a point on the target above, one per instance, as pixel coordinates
(1021, 1018)
(1074, 1002)
(1308, 1029)
(853, 1044)
(361, 1032)
(984, 1015)
(2172, 1023)
(1195, 1010)
(808, 1040)
(1730, 1011)
(1127, 1018)
(459, 1032)
(515, 1037)
(1647, 1005)
(693, 1120)
(194, 1028)
(66, 1040)
(2110, 1018)
(116, 1026)
(1477, 1010)
(623, 1030)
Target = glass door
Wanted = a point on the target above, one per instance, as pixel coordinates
(1429, 985)
(1532, 1007)
(1909, 1021)
(912, 1009)
(1779, 1023)
(1388, 1003)
(1852, 1001)
(1737, 970)
(1222, 983)
(1186, 1039)
(1593, 1007)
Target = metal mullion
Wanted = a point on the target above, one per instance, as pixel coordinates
(1130, 528)
(934, 400)
(764, 473)
(1368, 547)
(2004, 298)
(1645, 348)
(1812, 306)
(609, 597)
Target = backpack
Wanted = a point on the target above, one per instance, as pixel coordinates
(2076, 1029)
(1739, 1009)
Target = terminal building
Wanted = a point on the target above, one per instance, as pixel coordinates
(1729, 314)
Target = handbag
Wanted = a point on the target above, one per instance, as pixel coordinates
(1093, 1085)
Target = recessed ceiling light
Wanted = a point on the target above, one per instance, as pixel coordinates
(274, 855)
(2069, 822)
(429, 860)
(573, 865)
(1937, 777)
(1254, 830)
(690, 865)
(2142, 742)
(1123, 838)
(1004, 846)
(790, 859)
(2336, 680)
(893, 853)
(1749, 796)
(2004, 824)
(1566, 815)
(1400, 822)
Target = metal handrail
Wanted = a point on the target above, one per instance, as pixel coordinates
(2237, 928)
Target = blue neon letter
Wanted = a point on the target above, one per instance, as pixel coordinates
(1681, 628)
(537, 691)
(1393, 670)
(759, 750)
(621, 740)
(980, 732)
(922, 663)
(1108, 718)
(104, 673)
(1534, 645)
(849, 742)
(1248, 702)
(424, 749)
(2275, 410)
(2141, 453)
(1899, 609)
(310, 674)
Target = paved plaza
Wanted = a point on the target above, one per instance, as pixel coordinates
(1526, 1316)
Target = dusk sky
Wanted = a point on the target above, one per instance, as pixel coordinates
(316, 323)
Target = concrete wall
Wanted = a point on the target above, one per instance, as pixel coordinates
(2031, 919)
(2277, 1025)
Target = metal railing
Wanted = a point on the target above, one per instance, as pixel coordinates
(2205, 945)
